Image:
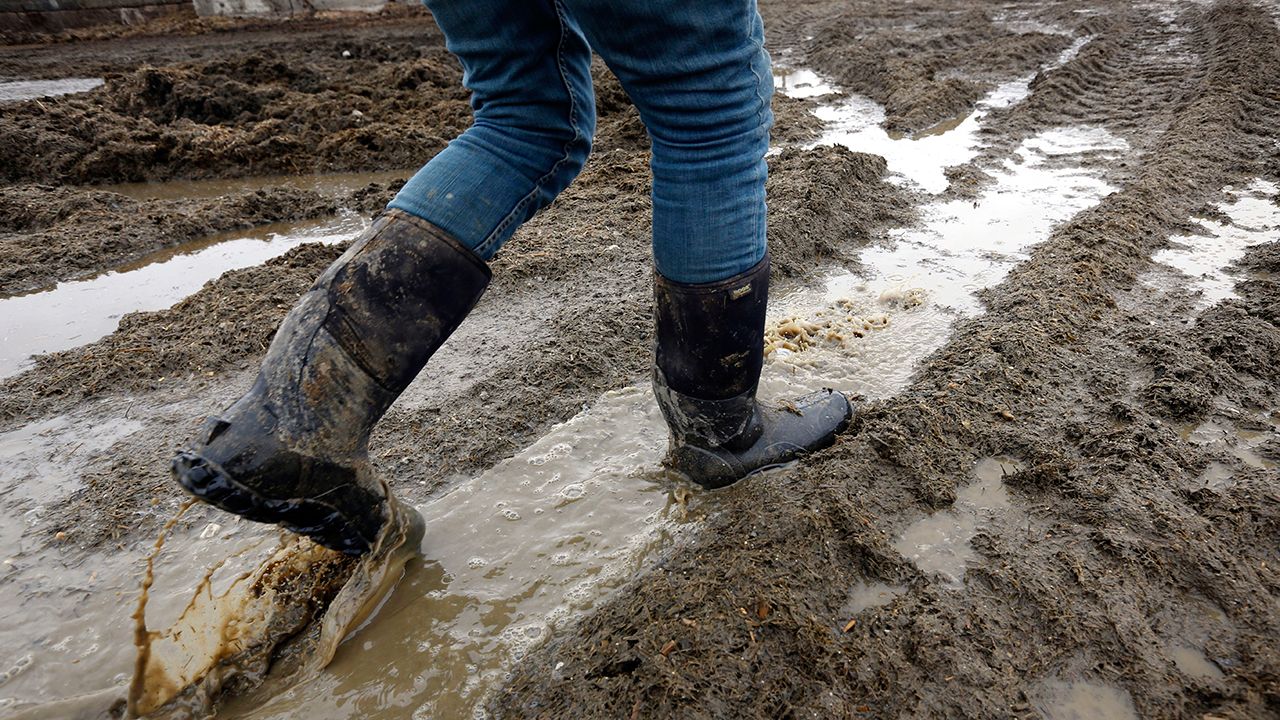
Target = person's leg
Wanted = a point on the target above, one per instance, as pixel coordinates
(700, 77)
(294, 449)
(528, 68)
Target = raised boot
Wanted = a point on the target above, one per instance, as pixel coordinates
(294, 449)
(707, 363)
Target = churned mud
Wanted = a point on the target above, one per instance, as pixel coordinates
(1041, 241)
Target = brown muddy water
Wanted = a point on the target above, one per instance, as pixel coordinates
(514, 553)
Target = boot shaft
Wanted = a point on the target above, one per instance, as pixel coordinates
(709, 351)
(365, 329)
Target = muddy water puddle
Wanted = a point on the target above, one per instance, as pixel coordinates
(19, 90)
(940, 544)
(918, 284)
(918, 160)
(1080, 700)
(926, 277)
(1238, 443)
(508, 555)
(1249, 217)
(869, 595)
(79, 312)
(1192, 662)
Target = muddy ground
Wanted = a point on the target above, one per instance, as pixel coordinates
(1089, 378)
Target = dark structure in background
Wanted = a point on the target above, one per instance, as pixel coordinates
(31, 17)
(46, 16)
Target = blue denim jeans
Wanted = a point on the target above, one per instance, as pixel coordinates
(697, 72)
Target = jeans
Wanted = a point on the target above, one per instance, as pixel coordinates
(697, 72)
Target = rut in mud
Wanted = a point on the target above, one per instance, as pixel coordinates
(1074, 499)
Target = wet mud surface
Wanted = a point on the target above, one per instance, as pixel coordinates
(51, 234)
(1073, 505)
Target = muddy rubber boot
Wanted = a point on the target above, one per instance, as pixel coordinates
(294, 449)
(706, 367)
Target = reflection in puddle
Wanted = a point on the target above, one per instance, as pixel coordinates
(940, 543)
(31, 89)
(931, 274)
(923, 157)
(1060, 700)
(1253, 218)
(80, 312)
(800, 83)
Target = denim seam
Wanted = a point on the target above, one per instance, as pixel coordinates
(494, 236)
(762, 222)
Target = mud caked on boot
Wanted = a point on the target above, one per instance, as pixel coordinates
(294, 449)
(709, 354)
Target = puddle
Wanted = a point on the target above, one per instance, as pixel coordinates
(508, 555)
(940, 544)
(931, 273)
(83, 638)
(867, 595)
(1062, 700)
(39, 462)
(921, 159)
(545, 536)
(800, 83)
(79, 312)
(1253, 218)
(1216, 476)
(17, 90)
(1192, 662)
(1239, 442)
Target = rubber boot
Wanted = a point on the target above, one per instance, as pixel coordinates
(707, 365)
(294, 449)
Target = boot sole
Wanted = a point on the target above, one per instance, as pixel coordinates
(324, 524)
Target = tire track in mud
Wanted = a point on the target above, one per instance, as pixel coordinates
(1113, 555)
